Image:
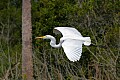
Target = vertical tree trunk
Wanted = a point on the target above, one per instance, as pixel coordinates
(27, 65)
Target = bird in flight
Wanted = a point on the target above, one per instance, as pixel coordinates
(71, 42)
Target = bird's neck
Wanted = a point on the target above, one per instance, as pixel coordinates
(53, 43)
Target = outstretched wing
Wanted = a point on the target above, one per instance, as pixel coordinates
(67, 31)
(72, 49)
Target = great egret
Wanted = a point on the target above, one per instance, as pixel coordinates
(71, 42)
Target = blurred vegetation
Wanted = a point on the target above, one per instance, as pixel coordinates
(99, 19)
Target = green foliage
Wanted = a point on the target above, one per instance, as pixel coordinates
(10, 39)
(10, 20)
(48, 14)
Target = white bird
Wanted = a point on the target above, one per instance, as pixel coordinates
(71, 42)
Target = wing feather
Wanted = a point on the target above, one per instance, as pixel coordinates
(67, 31)
(72, 49)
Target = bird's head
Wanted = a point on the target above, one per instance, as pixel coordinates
(44, 37)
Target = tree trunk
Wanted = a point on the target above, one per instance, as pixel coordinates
(27, 64)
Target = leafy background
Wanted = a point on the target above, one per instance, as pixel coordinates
(99, 19)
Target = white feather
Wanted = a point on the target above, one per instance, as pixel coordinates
(73, 49)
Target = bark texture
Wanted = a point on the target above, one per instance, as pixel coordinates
(27, 64)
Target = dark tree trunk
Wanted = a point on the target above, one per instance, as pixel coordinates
(27, 64)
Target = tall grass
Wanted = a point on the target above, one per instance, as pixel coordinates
(10, 56)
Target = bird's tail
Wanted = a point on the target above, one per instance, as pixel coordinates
(87, 41)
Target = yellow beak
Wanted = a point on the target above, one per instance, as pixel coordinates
(40, 37)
